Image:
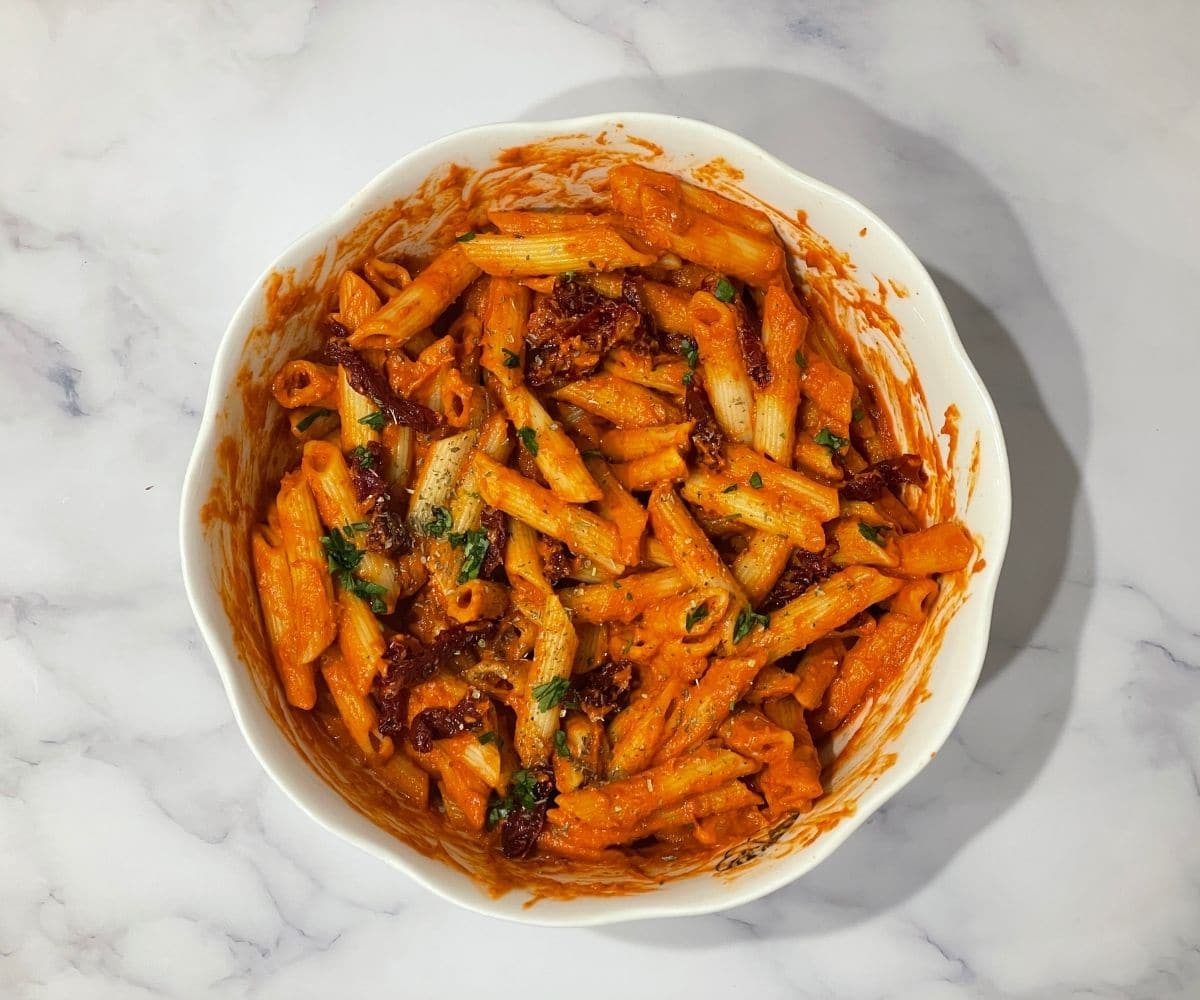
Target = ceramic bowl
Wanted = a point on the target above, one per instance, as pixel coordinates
(237, 453)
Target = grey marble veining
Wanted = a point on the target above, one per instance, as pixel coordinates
(1041, 159)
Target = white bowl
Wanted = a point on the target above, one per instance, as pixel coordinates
(228, 471)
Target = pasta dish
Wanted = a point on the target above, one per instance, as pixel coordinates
(593, 538)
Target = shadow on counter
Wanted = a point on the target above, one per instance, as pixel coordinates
(963, 228)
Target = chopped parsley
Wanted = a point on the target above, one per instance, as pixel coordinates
(731, 488)
(362, 457)
(344, 557)
(522, 794)
(356, 527)
(687, 378)
(489, 737)
(724, 290)
(593, 453)
(801, 360)
(316, 414)
(746, 620)
(529, 439)
(872, 532)
(697, 614)
(690, 352)
(756, 480)
(511, 358)
(524, 789)
(466, 237)
(552, 692)
(475, 546)
(560, 745)
(373, 420)
(857, 415)
(828, 439)
(439, 522)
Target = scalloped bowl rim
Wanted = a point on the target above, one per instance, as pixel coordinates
(724, 894)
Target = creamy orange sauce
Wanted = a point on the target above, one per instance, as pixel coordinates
(256, 447)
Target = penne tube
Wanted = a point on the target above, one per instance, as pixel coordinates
(444, 465)
(583, 532)
(765, 509)
(874, 659)
(360, 417)
(538, 711)
(819, 610)
(689, 547)
(399, 445)
(357, 301)
(592, 248)
(714, 328)
(624, 445)
(818, 666)
(628, 801)
(744, 463)
(525, 223)
(943, 548)
(654, 373)
(626, 404)
(623, 599)
(353, 706)
(360, 641)
(759, 565)
(274, 580)
(303, 383)
(312, 587)
(420, 303)
(783, 330)
(505, 320)
(523, 563)
(649, 471)
(555, 454)
(658, 213)
(862, 544)
(619, 508)
(702, 707)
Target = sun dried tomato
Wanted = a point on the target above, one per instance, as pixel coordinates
(889, 473)
(441, 723)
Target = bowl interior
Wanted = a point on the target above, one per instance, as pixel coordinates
(865, 281)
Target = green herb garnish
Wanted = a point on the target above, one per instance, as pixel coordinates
(466, 237)
(872, 532)
(524, 789)
(756, 480)
(362, 456)
(687, 378)
(511, 358)
(560, 745)
(826, 438)
(801, 360)
(439, 523)
(593, 453)
(489, 737)
(548, 695)
(690, 352)
(307, 422)
(373, 420)
(746, 620)
(724, 290)
(857, 415)
(730, 489)
(344, 557)
(697, 614)
(529, 439)
(475, 546)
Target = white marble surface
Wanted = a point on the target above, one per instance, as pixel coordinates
(1041, 158)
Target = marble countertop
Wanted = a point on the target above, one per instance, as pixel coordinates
(153, 157)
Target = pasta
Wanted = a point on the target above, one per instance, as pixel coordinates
(577, 551)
